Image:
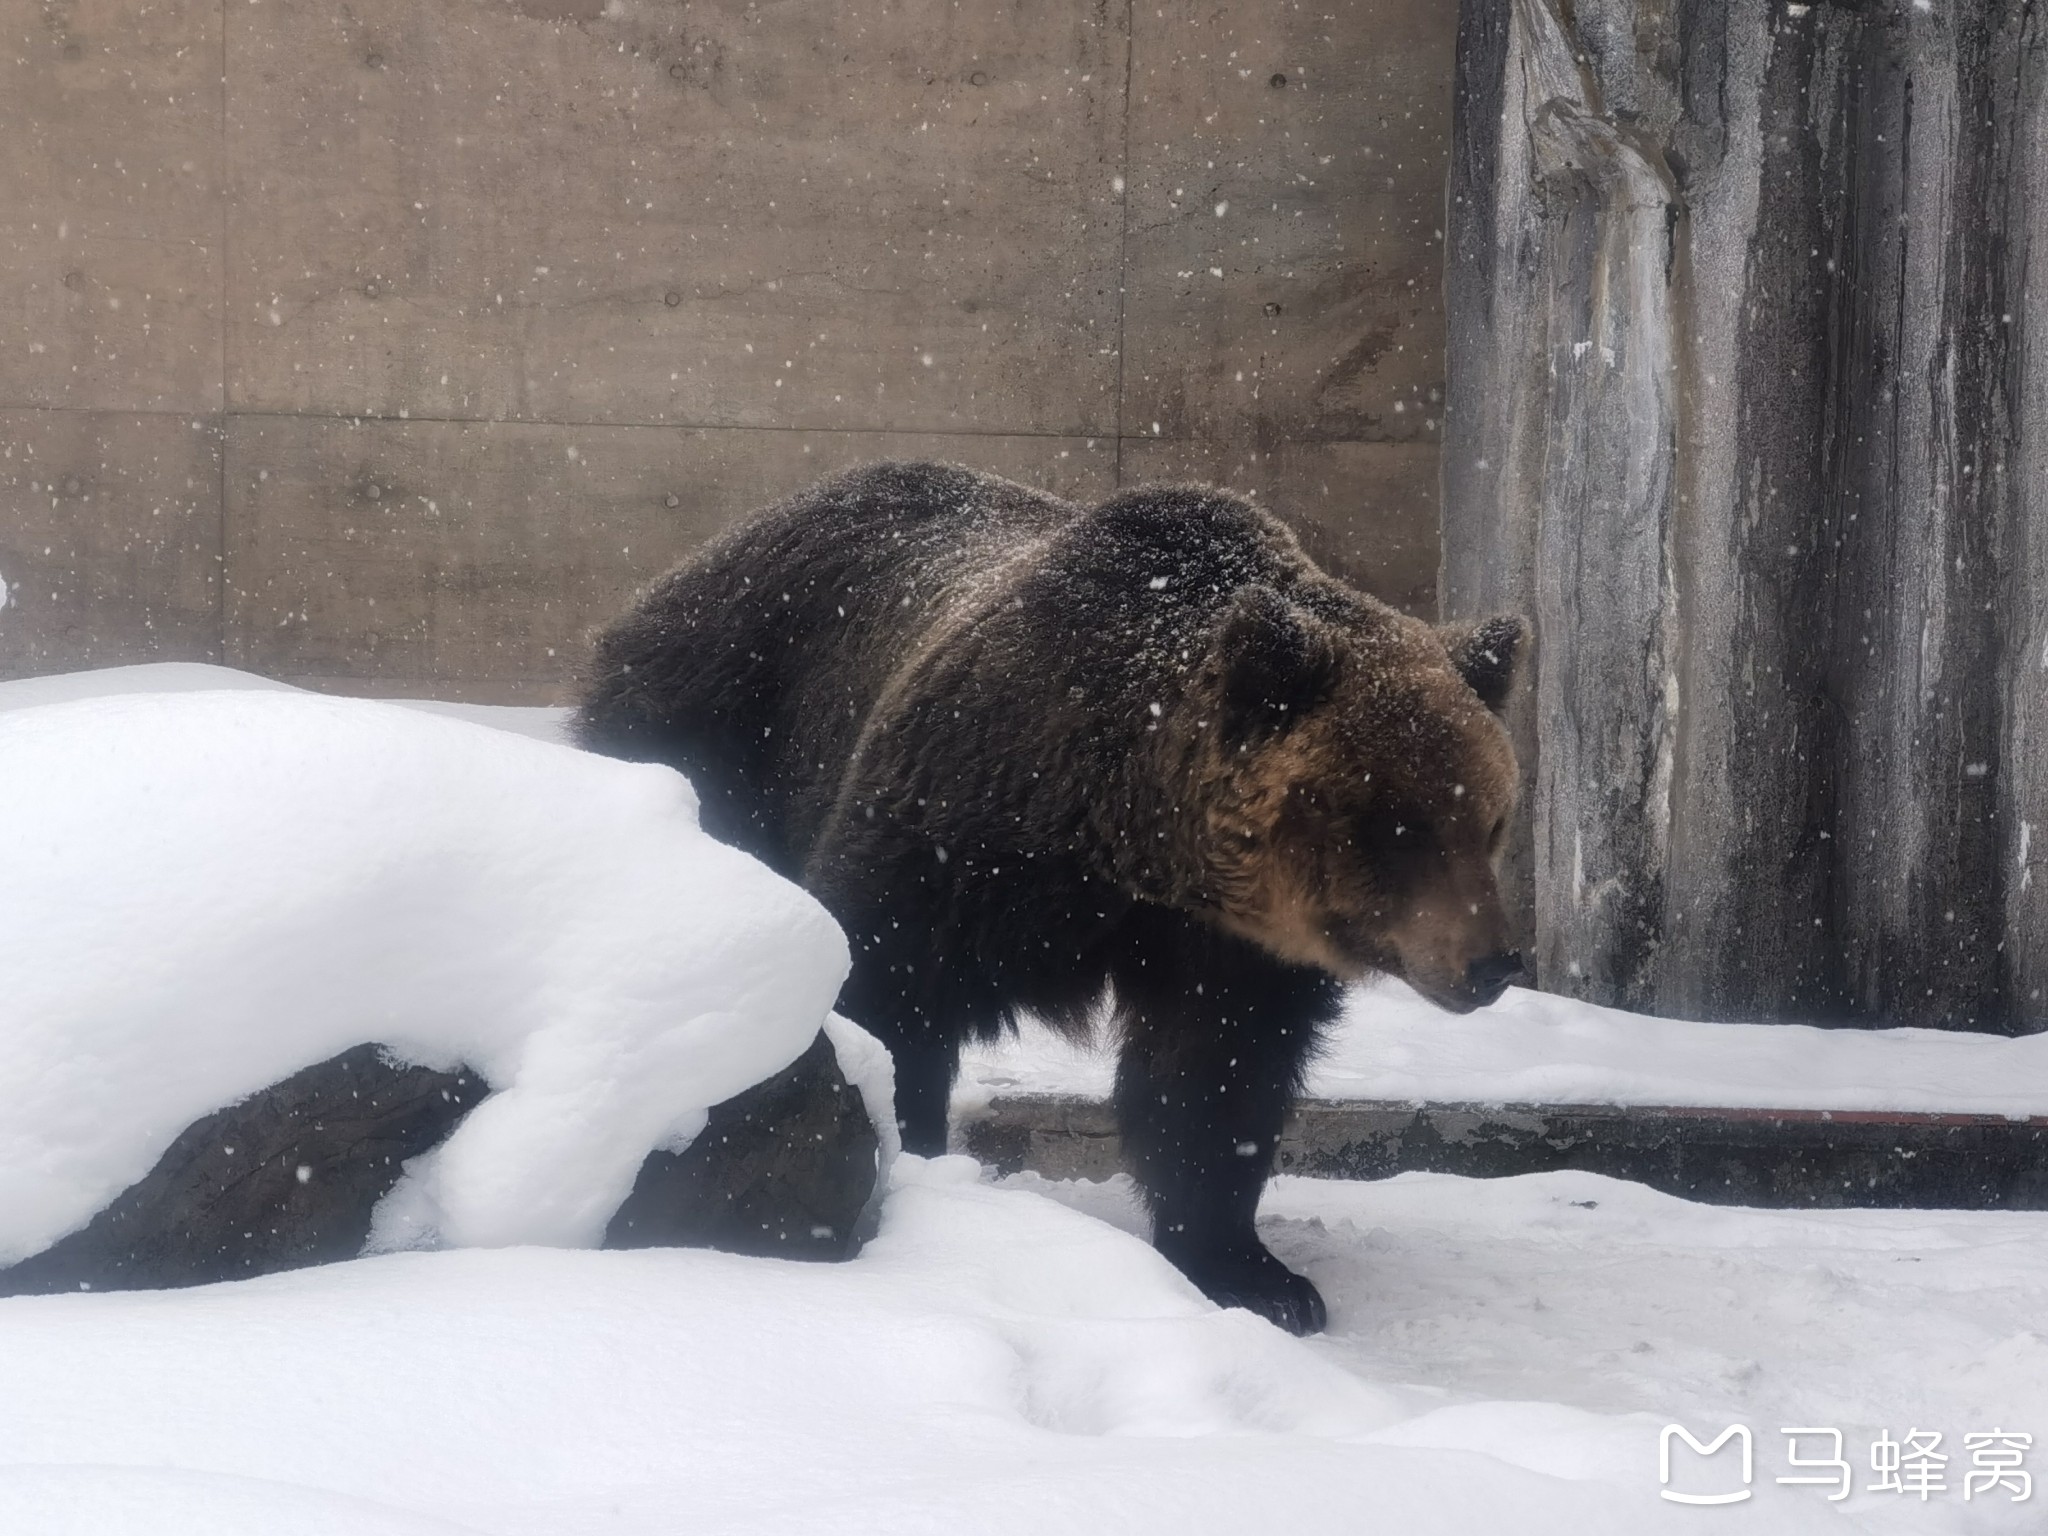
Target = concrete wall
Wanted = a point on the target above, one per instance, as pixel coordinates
(391, 345)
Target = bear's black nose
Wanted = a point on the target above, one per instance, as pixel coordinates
(1489, 975)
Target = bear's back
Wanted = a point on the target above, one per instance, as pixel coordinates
(754, 665)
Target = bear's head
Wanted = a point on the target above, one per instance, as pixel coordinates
(1357, 788)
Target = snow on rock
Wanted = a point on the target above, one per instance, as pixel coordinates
(542, 722)
(206, 892)
(1537, 1048)
(146, 677)
(865, 1062)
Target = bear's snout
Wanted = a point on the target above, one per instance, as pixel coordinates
(1453, 942)
(1490, 975)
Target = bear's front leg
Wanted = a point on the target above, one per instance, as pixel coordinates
(1216, 1034)
(910, 985)
(897, 991)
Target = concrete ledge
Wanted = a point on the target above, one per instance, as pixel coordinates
(1756, 1157)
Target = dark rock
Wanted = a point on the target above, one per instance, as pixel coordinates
(786, 1169)
(291, 1175)
(287, 1177)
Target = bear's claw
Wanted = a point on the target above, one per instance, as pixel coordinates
(1261, 1283)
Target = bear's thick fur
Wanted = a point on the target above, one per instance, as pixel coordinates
(1031, 753)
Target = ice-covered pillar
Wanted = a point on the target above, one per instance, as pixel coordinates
(1745, 410)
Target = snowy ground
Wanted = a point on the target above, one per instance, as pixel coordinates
(1502, 1356)
(1007, 1356)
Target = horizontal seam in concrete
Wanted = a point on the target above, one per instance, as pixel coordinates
(244, 413)
(674, 426)
(1578, 1111)
(1111, 438)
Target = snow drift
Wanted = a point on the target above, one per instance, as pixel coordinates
(1392, 1045)
(202, 893)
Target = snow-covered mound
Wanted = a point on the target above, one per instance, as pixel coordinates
(145, 677)
(542, 722)
(202, 893)
(1393, 1045)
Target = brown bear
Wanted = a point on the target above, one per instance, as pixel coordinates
(1034, 755)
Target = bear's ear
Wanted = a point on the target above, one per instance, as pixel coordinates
(1486, 655)
(1278, 664)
